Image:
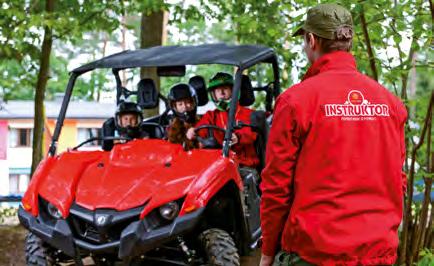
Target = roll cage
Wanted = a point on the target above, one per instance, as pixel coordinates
(163, 57)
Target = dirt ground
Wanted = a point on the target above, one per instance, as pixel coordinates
(12, 247)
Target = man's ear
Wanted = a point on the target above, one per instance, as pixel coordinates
(311, 41)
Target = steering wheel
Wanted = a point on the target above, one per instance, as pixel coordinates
(210, 142)
(100, 138)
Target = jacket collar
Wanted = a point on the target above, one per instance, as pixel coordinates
(331, 61)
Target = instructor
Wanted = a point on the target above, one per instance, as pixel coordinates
(332, 188)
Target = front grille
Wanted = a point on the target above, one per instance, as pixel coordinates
(91, 233)
(84, 225)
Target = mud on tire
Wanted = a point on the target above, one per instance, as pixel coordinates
(219, 248)
(37, 252)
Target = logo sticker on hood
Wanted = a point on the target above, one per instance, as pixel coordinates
(356, 108)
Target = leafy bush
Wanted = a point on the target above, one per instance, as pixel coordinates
(426, 258)
(7, 212)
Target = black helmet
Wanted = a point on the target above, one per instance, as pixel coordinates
(183, 91)
(132, 131)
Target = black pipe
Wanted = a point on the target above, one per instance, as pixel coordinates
(118, 84)
(276, 77)
(62, 114)
(232, 110)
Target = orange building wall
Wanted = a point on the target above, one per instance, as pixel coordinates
(68, 135)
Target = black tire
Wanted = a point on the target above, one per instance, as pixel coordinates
(219, 248)
(38, 253)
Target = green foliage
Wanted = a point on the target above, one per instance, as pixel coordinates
(426, 258)
(391, 28)
(260, 22)
(21, 36)
(16, 79)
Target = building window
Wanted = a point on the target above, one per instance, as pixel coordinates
(14, 182)
(20, 137)
(87, 133)
(18, 183)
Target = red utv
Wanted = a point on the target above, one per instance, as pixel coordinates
(148, 201)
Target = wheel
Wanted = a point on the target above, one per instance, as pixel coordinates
(38, 253)
(219, 248)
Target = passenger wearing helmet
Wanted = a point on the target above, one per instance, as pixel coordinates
(127, 120)
(183, 103)
(220, 89)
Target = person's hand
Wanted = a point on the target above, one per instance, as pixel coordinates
(190, 133)
(234, 139)
(266, 260)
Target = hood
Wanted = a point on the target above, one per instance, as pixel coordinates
(128, 176)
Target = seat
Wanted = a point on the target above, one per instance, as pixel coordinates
(199, 85)
(261, 127)
(247, 96)
(147, 94)
(152, 129)
(108, 130)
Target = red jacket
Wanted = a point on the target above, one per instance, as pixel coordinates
(244, 149)
(332, 188)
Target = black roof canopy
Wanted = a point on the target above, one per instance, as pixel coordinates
(236, 55)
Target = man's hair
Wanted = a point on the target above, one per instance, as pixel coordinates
(343, 40)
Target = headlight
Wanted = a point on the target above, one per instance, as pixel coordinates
(170, 210)
(53, 211)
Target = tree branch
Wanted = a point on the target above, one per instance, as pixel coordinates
(68, 29)
(432, 11)
(368, 44)
(418, 238)
(409, 200)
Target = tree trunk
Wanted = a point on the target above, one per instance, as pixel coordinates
(153, 33)
(39, 116)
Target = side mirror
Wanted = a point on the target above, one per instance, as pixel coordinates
(147, 94)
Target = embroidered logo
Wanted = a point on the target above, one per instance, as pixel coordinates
(356, 107)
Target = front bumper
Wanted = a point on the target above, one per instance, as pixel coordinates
(135, 239)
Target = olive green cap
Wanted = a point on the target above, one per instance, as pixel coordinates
(323, 20)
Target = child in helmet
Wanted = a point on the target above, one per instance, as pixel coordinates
(127, 120)
(183, 103)
(220, 89)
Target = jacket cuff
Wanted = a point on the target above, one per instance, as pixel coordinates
(239, 137)
(269, 248)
